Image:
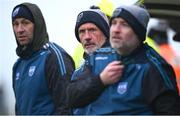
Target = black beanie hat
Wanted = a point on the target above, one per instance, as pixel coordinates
(22, 11)
(93, 16)
(136, 16)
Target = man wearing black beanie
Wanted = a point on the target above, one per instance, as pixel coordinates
(92, 31)
(98, 30)
(40, 65)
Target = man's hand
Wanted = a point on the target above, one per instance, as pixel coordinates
(112, 73)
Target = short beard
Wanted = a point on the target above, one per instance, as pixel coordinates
(91, 50)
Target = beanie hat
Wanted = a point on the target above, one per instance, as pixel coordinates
(22, 11)
(94, 16)
(136, 16)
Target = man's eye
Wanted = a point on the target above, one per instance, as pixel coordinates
(125, 24)
(113, 22)
(92, 30)
(81, 31)
(15, 24)
(25, 22)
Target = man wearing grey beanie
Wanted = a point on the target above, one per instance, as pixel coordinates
(148, 85)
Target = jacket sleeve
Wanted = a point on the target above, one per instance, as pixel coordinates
(161, 91)
(57, 82)
(67, 94)
(84, 90)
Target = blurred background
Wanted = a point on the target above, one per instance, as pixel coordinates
(60, 17)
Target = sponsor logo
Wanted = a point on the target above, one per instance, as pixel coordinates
(101, 58)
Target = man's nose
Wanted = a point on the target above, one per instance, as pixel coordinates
(87, 35)
(117, 28)
(20, 28)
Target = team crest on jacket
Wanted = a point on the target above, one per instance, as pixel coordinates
(122, 87)
(32, 70)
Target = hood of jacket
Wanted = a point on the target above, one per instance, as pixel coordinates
(40, 36)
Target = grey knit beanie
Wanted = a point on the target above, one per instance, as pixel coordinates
(136, 16)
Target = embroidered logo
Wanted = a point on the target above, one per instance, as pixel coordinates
(117, 12)
(79, 17)
(17, 75)
(15, 11)
(122, 87)
(32, 70)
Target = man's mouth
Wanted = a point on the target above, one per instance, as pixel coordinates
(89, 45)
